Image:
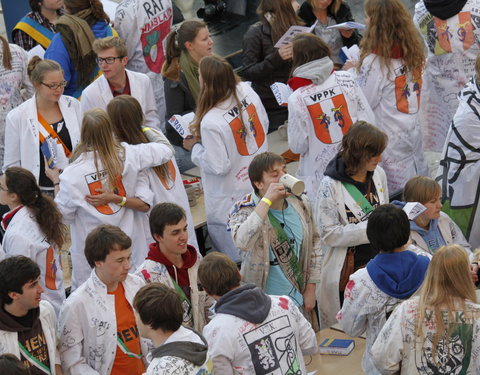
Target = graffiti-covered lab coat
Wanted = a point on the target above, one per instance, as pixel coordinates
(98, 94)
(24, 237)
(453, 45)
(337, 236)
(87, 327)
(459, 171)
(318, 117)
(395, 98)
(224, 155)
(398, 350)
(144, 25)
(80, 178)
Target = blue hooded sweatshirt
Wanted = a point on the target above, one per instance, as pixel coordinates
(398, 274)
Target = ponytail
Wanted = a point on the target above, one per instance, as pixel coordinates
(48, 217)
(171, 67)
(98, 12)
(95, 6)
(7, 55)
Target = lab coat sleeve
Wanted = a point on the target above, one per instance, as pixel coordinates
(387, 351)
(364, 110)
(19, 245)
(148, 155)
(152, 119)
(142, 189)
(155, 135)
(306, 334)
(88, 99)
(57, 52)
(459, 239)
(64, 201)
(12, 140)
(71, 342)
(211, 155)
(334, 233)
(125, 24)
(353, 317)
(298, 124)
(246, 227)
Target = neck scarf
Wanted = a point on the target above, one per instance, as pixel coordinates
(190, 69)
(78, 38)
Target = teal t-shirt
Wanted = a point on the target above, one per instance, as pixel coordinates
(277, 284)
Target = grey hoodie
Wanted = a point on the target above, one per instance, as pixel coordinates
(317, 70)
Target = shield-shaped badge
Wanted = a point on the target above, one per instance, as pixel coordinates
(152, 37)
(98, 181)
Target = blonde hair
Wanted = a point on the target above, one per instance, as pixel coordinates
(391, 26)
(421, 189)
(102, 44)
(219, 84)
(97, 136)
(38, 68)
(447, 283)
(127, 118)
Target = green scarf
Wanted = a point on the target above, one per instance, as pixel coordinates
(190, 69)
(78, 37)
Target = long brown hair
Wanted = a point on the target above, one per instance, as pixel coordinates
(307, 47)
(176, 40)
(391, 27)
(7, 54)
(421, 189)
(96, 6)
(97, 136)
(283, 16)
(38, 68)
(219, 84)
(126, 116)
(47, 215)
(447, 284)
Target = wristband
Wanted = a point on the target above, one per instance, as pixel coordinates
(122, 203)
(267, 201)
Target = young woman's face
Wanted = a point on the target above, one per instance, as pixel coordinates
(434, 206)
(51, 88)
(201, 45)
(321, 4)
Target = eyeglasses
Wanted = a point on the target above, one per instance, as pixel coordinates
(54, 86)
(108, 60)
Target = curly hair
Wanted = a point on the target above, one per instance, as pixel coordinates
(390, 27)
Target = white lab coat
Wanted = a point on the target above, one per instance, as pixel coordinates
(22, 146)
(459, 171)
(144, 25)
(224, 156)
(395, 98)
(450, 64)
(81, 176)
(318, 143)
(9, 340)
(24, 237)
(337, 236)
(13, 81)
(399, 350)
(171, 190)
(98, 94)
(87, 327)
(245, 344)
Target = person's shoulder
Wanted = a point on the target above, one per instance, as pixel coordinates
(47, 310)
(22, 111)
(254, 30)
(137, 75)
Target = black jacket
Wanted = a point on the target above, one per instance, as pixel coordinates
(178, 101)
(262, 64)
(343, 15)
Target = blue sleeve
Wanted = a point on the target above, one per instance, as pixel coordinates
(57, 51)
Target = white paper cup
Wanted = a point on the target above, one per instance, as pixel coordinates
(292, 184)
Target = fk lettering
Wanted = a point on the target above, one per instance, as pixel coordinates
(153, 7)
(323, 95)
(128, 334)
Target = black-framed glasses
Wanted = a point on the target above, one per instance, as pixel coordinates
(54, 86)
(108, 60)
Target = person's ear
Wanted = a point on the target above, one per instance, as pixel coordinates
(13, 295)
(188, 45)
(157, 237)
(258, 184)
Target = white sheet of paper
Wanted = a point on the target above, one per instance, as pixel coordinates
(414, 209)
(348, 25)
(352, 53)
(38, 50)
(181, 123)
(281, 91)
(312, 373)
(291, 32)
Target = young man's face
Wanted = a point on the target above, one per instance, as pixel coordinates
(30, 297)
(114, 70)
(175, 238)
(271, 176)
(116, 265)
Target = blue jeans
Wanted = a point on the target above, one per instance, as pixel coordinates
(183, 158)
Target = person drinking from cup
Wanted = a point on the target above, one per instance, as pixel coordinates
(274, 226)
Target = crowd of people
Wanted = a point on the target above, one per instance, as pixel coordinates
(90, 158)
